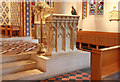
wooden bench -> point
(104, 48)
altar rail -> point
(61, 33)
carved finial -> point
(114, 7)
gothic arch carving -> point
(61, 35)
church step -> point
(24, 75)
(12, 58)
(18, 66)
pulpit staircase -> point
(19, 67)
(60, 39)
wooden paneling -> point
(109, 62)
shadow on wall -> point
(119, 34)
(99, 22)
(59, 7)
(119, 16)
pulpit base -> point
(62, 63)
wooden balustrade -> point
(9, 30)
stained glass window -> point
(100, 7)
(32, 15)
(92, 6)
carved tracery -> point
(61, 33)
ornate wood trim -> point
(24, 18)
(84, 1)
(30, 19)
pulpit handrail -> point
(110, 48)
(65, 15)
(99, 51)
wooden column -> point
(30, 19)
(88, 45)
(97, 47)
(10, 30)
(22, 20)
(80, 45)
(6, 32)
(25, 18)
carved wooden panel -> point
(9, 13)
(15, 13)
(4, 13)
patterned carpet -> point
(84, 74)
(77, 75)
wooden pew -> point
(96, 40)
(104, 48)
(104, 62)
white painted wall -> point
(59, 7)
(99, 22)
(93, 22)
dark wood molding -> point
(114, 20)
